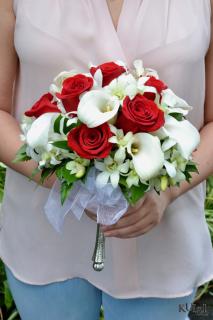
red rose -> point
(72, 88)
(140, 115)
(90, 143)
(43, 105)
(110, 71)
(157, 84)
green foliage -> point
(2, 180)
(207, 288)
(67, 179)
(21, 155)
(61, 144)
(134, 193)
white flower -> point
(77, 166)
(124, 85)
(39, 138)
(173, 103)
(183, 133)
(132, 178)
(111, 170)
(147, 155)
(170, 168)
(38, 134)
(122, 141)
(141, 71)
(96, 107)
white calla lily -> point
(37, 135)
(175, 103)
(97, 107)
(147, 156)
(184, 133)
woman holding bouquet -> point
(160, 251)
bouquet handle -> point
(99, 250)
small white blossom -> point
(122, 142)
(111, 170)
(133, 178)
(124, 85)
(77, 166)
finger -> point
(139, 233)
(136, 227)
(126, 221)
(91, 215)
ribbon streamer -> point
(108, 203)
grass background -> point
(7, 307)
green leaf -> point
(64, 174)
(69, 128)
(57, 124)
(188, 176)
(177, 116)
(61, 144)
(21, 155)
(191, 168)
(134, 193)
(65, 190)
(8, 300)
(46, 172)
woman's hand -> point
(91, 215)
(141, 218)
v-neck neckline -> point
(115, 28)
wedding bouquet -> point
(109, 135)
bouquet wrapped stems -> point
(99, 250)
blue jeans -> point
(77, 299)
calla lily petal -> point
(184, 133)
(170, 99)
(38, 134)
(168, 143)
(97, 107)
(147, 156)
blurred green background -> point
(7, 307)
